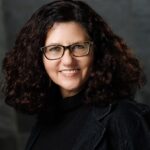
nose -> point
(67, 59)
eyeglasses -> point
(56, 51)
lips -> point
(69, 72)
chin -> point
(70, 89)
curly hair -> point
(116, 72)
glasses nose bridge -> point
(67, 47)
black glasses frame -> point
(69, 48)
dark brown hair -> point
(116, 72)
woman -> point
(68, 67)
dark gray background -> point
(128, 18)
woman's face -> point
(69, 72)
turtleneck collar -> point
(73, 102)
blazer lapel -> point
(93, 130)
(33, 137)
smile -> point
(70, 72)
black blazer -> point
(123, 125)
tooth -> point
(71, 71)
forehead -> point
(66, 33)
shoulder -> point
(127, 110)
(124, 109)
(125, 118)
(129, 106)
(129, 115)
(127, 124)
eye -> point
(78, 47)
(54, 49)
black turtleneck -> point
(62, 133)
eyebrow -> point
(53, 44)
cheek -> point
(87, 66)
(45, 64)
(90, 61)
